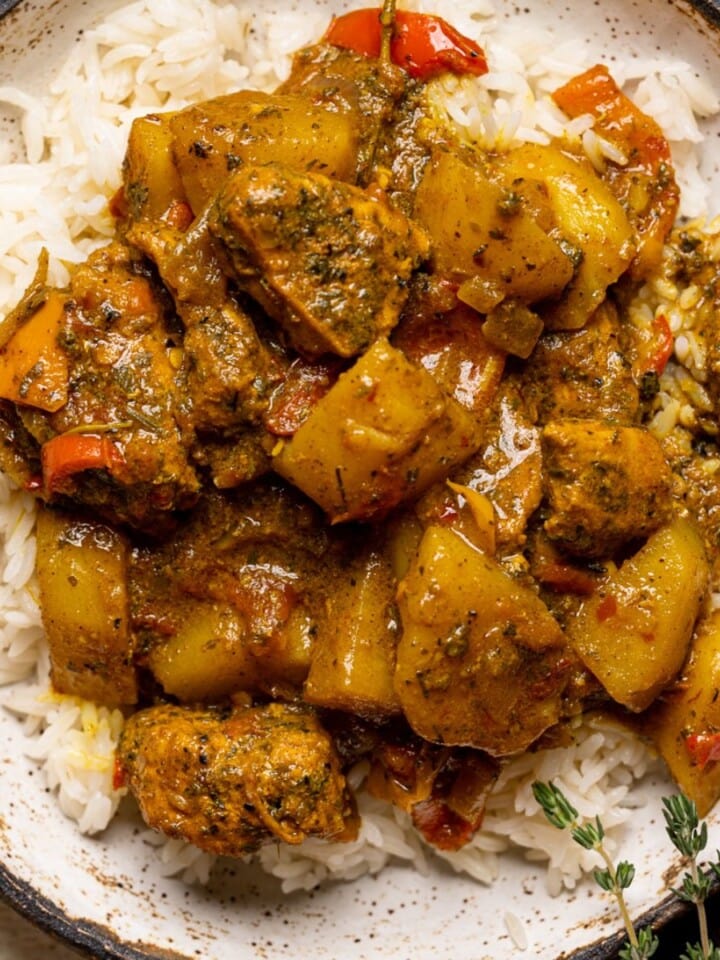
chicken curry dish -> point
(343, 449)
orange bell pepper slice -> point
(33, 365)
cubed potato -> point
(213, 138)
(354, 653)
(481, 661)
(589, 220)
(212, 653)
(208, 656)
(685, 723)
(485, 230)
(152, 182)
(382, 434)
(82, 575)
(633, 634)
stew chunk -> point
(230, 782)
(328, 261)
(383, 434)
(606, 485)
(481, 661)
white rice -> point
(54, 186)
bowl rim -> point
(99, 943)
(90, 938)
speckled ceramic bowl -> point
(105, 896)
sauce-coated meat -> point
(229, 782)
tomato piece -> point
(704, 748)
(71, 453)
(440, 826)
(117, 205)
(455, 352)
(664, 343)
(359, 31)
(179, 215)
(422, 44)
(120, 777)
(292, 403)
(607, 608)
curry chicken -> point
(343, 451)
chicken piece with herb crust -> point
(607, 485)
(583, 373)
(229, 782)
(328, 261)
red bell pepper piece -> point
(71, 453)
(440, 826)
(292, 403)
(664, 344)
(120, 777)
(422, 44)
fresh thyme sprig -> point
(688, 835)
(613, 879)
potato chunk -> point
(82, 573)
(685, 725)
(225, 605)
(589, 219)
(353, 657)
(606, 485)
(481, 661)
(382, 434)
(152, 183)
(634, 632)
(213, 138)
(486, 233)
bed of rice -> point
(54, 184)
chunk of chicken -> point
(584, 373)
(229, 782)
(120, 338)
(328, 261)
(228, 371)
(606, 485)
